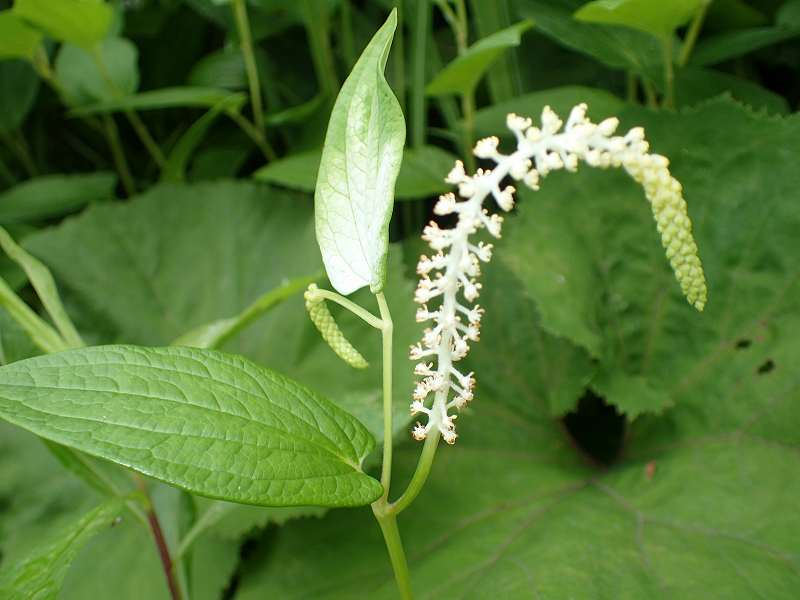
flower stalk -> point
(449, 276)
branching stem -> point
(354, 308)
(246, 44)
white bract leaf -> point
(360, 162)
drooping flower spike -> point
(448, 278)
(325, 323)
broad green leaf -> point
(464, 73)
(40, 575)
(731, 44)
(164, 98)
(19, 86)
(492, 119)
(421, 174)
(51, 196)
(81, 22)
(660, 19)
(694, 85)
(213, 335)
(84, 81)
(178, 159)
(170, 413)
(602, 282)
(701, 501)
(360, 162)
(615, 46)
(17, 40)
(42, 281)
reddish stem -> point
(163, 551)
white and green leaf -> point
(360, 163)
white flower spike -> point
(449, 276)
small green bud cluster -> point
(323, 320)
(665, 194)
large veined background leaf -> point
(701, 500)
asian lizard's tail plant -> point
(223, 427)
(353, 205)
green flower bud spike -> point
(323, 320)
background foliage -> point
(620, 445)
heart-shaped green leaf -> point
(214, 424)
(360, 162)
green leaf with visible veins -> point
(465, 72)
(587, 252)
(701, 502)
(360, 162)
(214, 424)
(40, 574)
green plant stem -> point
(419, 41)
(265, 303)
(420, 476)
(397, 556)
(462, 32)
(669, 74)
(386, 334)
(317, 23)
(354, 308)
(348, 41)
(246, 45)
(19, 147)
(136, 122)
(118, 154)
(691, 35)
(468, 114)
(631, 87)
(254, 134)
(6, 173)
(399, 58)
(649, 93)
(147, 140)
